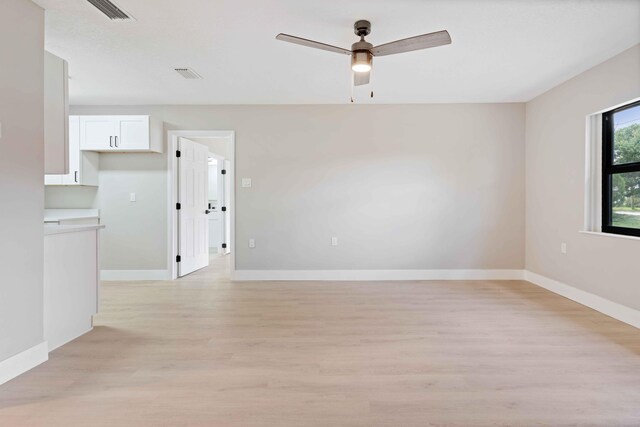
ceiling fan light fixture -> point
(362, 52)
(361, 61)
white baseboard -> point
(134, 275)
(612, 309)
(24, 361)
(339, 275)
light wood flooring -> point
(203, 351)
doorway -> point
(218, 203)
(201, 220)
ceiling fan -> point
(362, 52)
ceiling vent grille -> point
(112, 11)
(188, 73)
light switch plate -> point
(334, 241)
(132, 197)
(246, 182)
(563, 248)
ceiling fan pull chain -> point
(353, 84)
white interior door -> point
(193, 229)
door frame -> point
(172, 193)
(221, 160)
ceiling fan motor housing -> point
(362, 28)
(361, 56)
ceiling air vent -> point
(188, 73)
(112, 11)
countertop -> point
(50, 229)
(55, 215)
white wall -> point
(64, 197)
(402, 186)
(606, 266)
(135, 237)
(21, 175)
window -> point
(621, 170)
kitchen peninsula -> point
(71, 281)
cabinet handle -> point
(111, 141)
(76, 176)
(116, 139)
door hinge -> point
(223, 209)
(178, 153)
(178, 258)
(178, 206)
(224, 246)
(223, 171)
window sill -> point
(618, 236)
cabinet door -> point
(132, 132)
(97, 133)
(74, 177)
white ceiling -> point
(502, 51)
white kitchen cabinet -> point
(83, 166)
(97, 132)
(56, 113)
(120, 134)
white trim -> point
(593, 173)
(617, 311)
(134, 275)
(22, 362)
(259, 275)
(172, 191)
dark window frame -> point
(609, 169)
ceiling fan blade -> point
(424, 41)
(360, 79)
(311, 43)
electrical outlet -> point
(252, 243)
(132, 197)
(563, 248)
(334, 241)
(246, 183)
